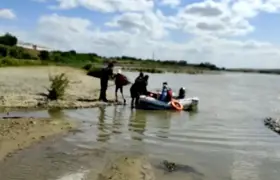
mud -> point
(17, 133)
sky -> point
(228, 33)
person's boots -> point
(116, 98)
(100, 97)
(105, 99)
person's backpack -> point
(122, 80)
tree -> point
(44, 55)
(3, 51)
(8, 40)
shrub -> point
(44, 55)
(59, 83)
(7, 61)
(55, 57)
(8, 40)
(3, 51)
(26, 55)
(13, 52)
(87, 67)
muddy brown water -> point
(224, 140)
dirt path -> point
(22, 87)
(19, 133)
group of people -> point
(106, 74)
(139, 87)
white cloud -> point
(67, 33)
(214, 18)
(108, 5)
(172, 3)
(149, 24)
(7, 14)
(141, 28)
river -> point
(224, 140)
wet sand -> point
(19, 133)
(25, 87)
(128, 167)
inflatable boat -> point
(150, 103)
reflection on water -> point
(104, 130)
(117, 119)
(56, 113)
(137, 124)
(163, 124)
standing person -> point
(140, 77)
(135, 89)
(143, 86)
(106, 74)
(120, 81)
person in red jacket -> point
(120, 81)
(169, 95)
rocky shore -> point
(273, 124)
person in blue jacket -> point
(166, 93)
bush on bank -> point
(8, 61)
(59, 84)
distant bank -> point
(261, 71)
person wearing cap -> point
(140, 77)
(106, 74)
(182, 93)
(120, 80)
(166, 93)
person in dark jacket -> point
(140, 77)
(135, 89)
(182, 93)
(143, 85)
(106, 74)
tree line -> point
(9, 48)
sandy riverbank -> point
(24, 87)
(19, 133)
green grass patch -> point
(7, 61)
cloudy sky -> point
(229, 33)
